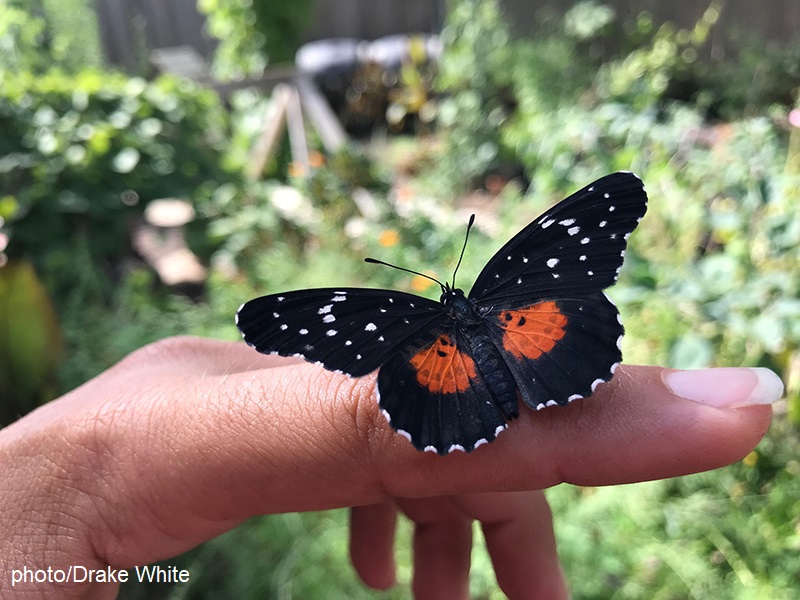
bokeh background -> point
(161, 162)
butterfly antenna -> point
(375, 261)
(463, 248)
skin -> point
(186, 438)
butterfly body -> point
(535, 326)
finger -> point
(634, 428)
(518, 528)
(442, 548)
(204, 357)
(372, 530)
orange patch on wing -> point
(533, 330)
(442, 368)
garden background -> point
(502, 124)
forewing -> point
(558, 350)
(432, 393)
(573, 249)
(352, 330)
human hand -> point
(187, 438)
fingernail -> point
(726, 387)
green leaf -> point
(30, 340)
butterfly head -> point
(450, 294)
(457, 306)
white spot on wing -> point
(303, 332)
(585, 241)
(331, 332)
(582, 257)
(338, 298)
(551, 403)
(566, 222)
(328, 319)
(455, 447)
(603, 223)
(552, 262)
(325, 309)
(597, 382)
(431, 449)
(370, 327)
(284, 327)
(547, 223)
(574, 230)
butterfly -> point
(536, 326)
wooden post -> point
(271, 134)
(297, 130)
(319, 111)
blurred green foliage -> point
(39, 35)
(476, 81)
(31, 344)
(82, 155)
(254, 34)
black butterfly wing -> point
(573, 249)
(350, 330)
(542, 294)
(558, 350)
(432, 392)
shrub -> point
(254, 34)
(82, 155)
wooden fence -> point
(130, 29)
